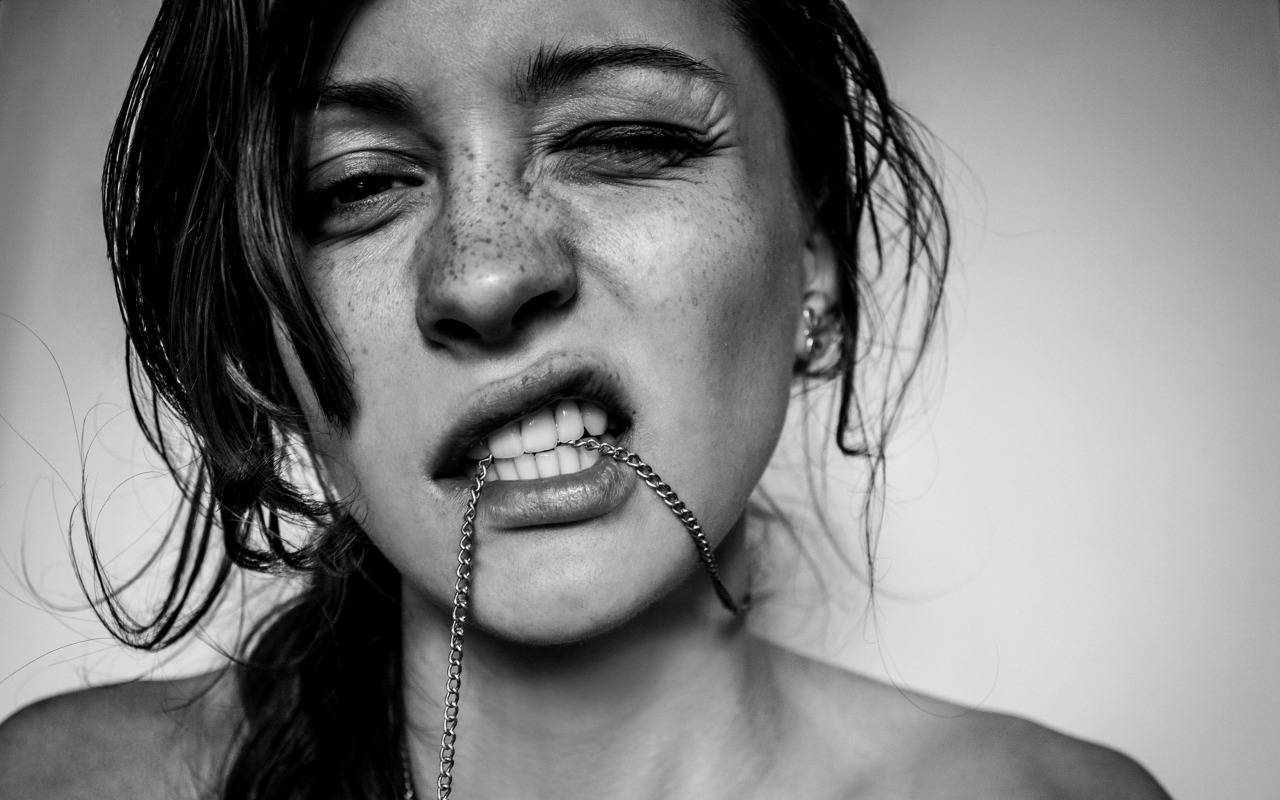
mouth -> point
(525, 422)
(535, 446)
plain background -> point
(1082, 520)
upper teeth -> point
(527, 448)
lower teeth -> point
(563, 460)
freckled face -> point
(496, 185)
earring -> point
(813, 345)
(811, 333)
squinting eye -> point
(633, 149)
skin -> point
(492, 236)
(497, 246)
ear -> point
(821, 270)
(821, 283)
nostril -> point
(489, 298)
(541, 306)
(452, 330)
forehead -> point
(451, 44)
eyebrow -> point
(377, 96)
(554, 69)
(549, 71)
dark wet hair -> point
(198, 194)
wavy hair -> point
(199, 212)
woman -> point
(385, 263)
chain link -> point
(462, 593)
(461, 600)
(668, 496)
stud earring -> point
(814, 343)
(811, 333)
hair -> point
(198, 198)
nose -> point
(497, 264)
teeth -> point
(594, 419)
(538, 432)
(506, 442)
(567, 459)
(526, 466)
(568, 421)
(548, 464)
(506, 469)
(532, 447)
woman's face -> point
(513, 203)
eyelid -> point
(621, 130)
(338, 168)
(324, 215)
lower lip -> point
(593, 492)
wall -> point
(1082, 523)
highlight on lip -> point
(533, 447)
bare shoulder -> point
(1025, 759)
(137, 740)
(895, 743)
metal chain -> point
(462, 592)
(453, 684)
(668, 496)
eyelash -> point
(359, 190)
(634, 149)
(604, 150)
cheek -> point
(712, 287)
(360, 299)
(718, 282)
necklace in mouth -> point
(537, 445)
(462, 586)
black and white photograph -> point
(633, 399)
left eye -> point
(632, 149)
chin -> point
(561, 595)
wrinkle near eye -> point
(642, 94)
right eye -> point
(358, 188)
(355, 195)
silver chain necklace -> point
(462, 594)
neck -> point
(666, 701)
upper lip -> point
(559, 377)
